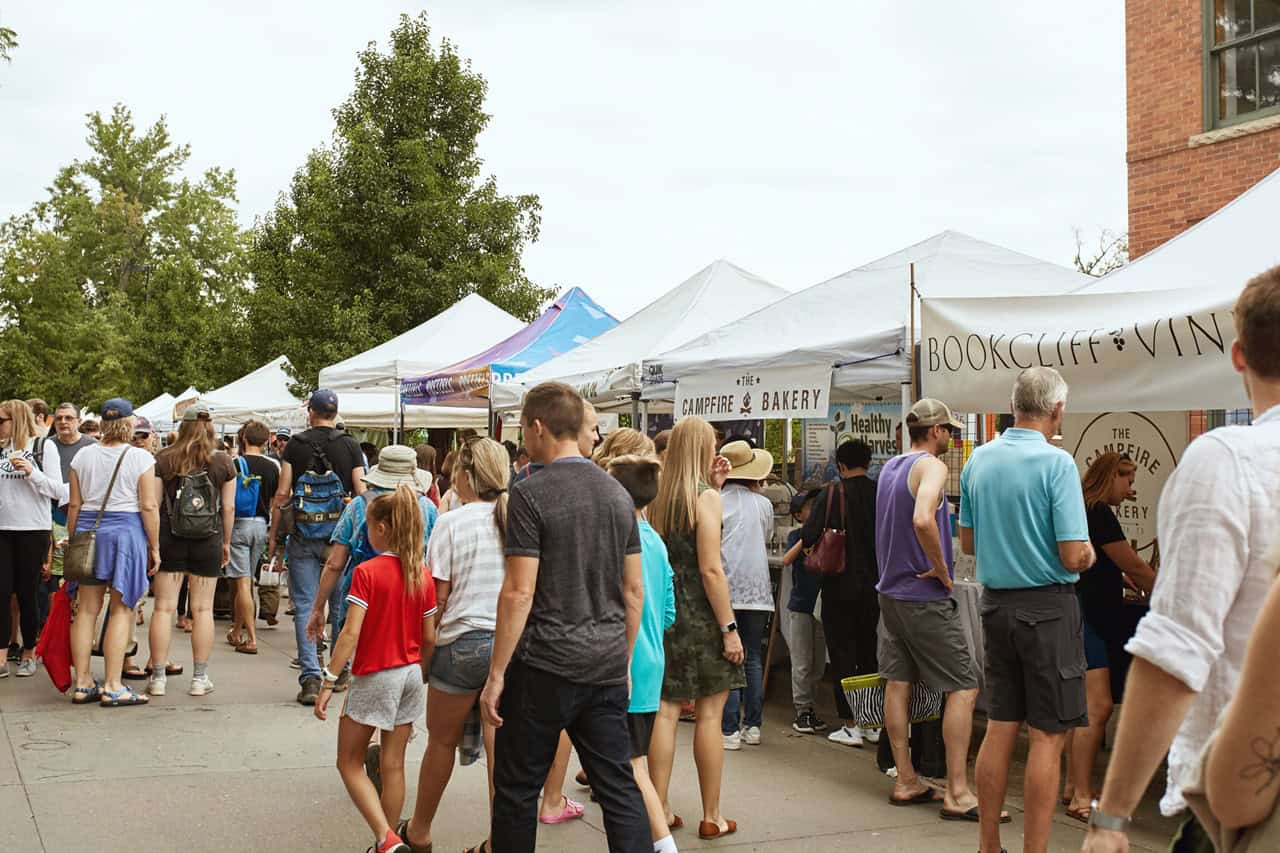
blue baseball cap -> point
(116, 408)
(324, 401)
(283, 432)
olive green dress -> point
(694, 645)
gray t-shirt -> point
(67, 452)
(580, 524)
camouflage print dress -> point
(694, 645)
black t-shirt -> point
(269, 471)
(1101, 589)
(341, 449)
(862, 572)
(580, 523)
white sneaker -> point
(200, 686)
(155, 685)
(869, 735)
(846, 736)
(733, 741)
(751, 736)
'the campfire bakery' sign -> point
(799, 392)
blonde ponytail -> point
(488, 466)
(399, 510)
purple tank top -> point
(898, 551)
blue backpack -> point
(248, 490)
(318, 497)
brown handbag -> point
(828, 555)
(82, 547)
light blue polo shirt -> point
(1022, 496)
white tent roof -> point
(254, 394)
(858, 321)
(1161, 326)
(609, 365)
(470, 325)
(159, 411)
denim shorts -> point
(463, 665)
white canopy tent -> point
(264, 395)
(858, 323)
(1154, 335)
(159, 411)
(607, 369)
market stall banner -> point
(1159, 351)
(874, 423)
(731, 395)
(1155, 441)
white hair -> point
(1037, 392)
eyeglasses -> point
(65, 418)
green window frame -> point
(1213, 51)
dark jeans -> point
(22, 553)
(850, 629)
(749, 699)
(536, 706)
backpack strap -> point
(243, 465)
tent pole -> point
(635, 412)
(911, 338)
(786, 451)
(644, 417)
(906, 407)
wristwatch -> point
(1111, 823)
(729, 629)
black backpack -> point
(195, 512)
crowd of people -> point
(584, 594)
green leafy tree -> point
(8, 41)
(391, 222)
(128, 279)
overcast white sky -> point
(797, 139)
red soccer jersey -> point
(391, 634)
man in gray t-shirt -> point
(568, 616)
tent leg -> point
(644, 417)
(907, 402)
(635, 413)
(786, 451)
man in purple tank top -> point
(920, 635)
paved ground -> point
(247, 768)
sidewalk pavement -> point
(248, 768)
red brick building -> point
(1203, 98)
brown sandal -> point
(247, 648)
(403, 831)
(708, 830)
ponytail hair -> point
(399, 510)
(487, 466)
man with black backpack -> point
(321, 468)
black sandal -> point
(169, 669)
(403, 831)
(483, 848)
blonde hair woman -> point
(703, 650)
(465, 558)
(1108, 622)
(194, 453)
(30, 478)
(622, 442)
(113, 486)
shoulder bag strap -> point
(111, 485)
(837, 486)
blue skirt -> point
(120, 556)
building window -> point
(1242, 60)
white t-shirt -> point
(25, 502)
(465, 550)
(744, 550)
(94, 465)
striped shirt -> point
(466, 552)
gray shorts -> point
(924, 642)
(248, 544)
(1035, 657)
(386, 699)
(462, 666)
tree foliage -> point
(1110, 253)
(391, 222)
(128, 279)
(8, 41)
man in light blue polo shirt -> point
(1022, 514)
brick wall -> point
(1178, 174)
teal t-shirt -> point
(648, 661)
(350, 528)
(1021, 496)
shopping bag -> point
(54, 646)
(865, 694)
(269, 576)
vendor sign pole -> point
(911, 338)
(786, 451)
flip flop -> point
(169, 669)
(677, 822)
(134, 673)
(247, 649)
(1081, 815)
(234, 639)
(123, 698)
(972, 815)
(572, 811)
(86, 695)
(708, 830)
(403, 831)
(928, 795)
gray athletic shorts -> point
(386, 699)
(924, 641)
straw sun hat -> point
(747, 463)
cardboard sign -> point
(1154, 441)
(800, 392)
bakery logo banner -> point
(1154, 441)
(790, 392)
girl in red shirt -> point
(386, 692)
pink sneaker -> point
(572, 811)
